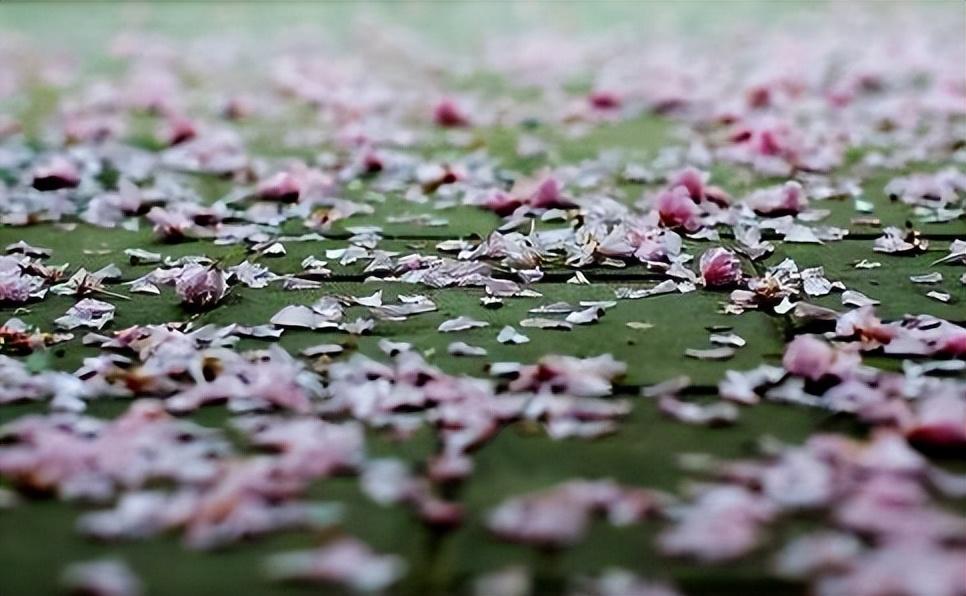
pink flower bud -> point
(449, 114)
(720, 267)
(678, 210)
(604, 100)
(692, 179)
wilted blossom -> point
(16, 287)
(896, 240)
(720, 267)
(110, 209)
(200, 286)
(87, 313)
(649, 244)
(19, 339)
(808, 357)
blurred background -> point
(83, 25)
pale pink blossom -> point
(720, 267)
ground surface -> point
(38, 536)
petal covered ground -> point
(677, 310)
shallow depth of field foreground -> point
(496, 298)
